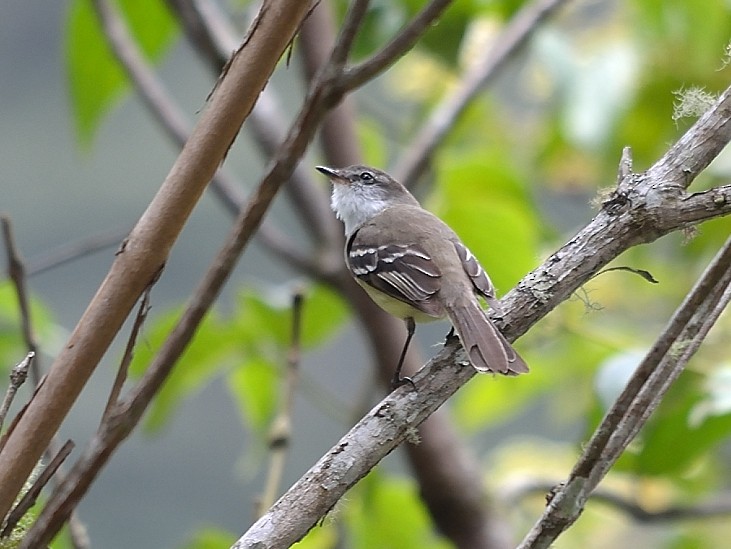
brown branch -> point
(122, 371)
(357, 75)
(149, 243)
(620, 225)
(163, 108)
(207, 28)
(442, 119)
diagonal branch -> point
(618, 226)
(147, 248)
(209, 30)
(643, 393)
(357, 75)
(170, 117)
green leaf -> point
(96, 80)
(323, 313)
(210, 538)
(388, 513)
(254, 389)
(269, 317)
(483, 199)
(12, 346)
(690, 421)
(211, 350)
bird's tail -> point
(486, 347)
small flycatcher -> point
(415, 267)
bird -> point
(415, 267)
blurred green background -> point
(516, 177)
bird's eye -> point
(367, 177)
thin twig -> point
(403, 41)
(281, 429)
(18, 375)
(348, 32)
(720, 506)
(31, 496)
(74, 249)
(517, 32)
(16, 272)
(123, 369)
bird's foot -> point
(397, 381)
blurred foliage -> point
(249, 349)
(515, 178)
(96, 80)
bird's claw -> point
(398, 381)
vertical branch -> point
(281, 429)
(16, 272)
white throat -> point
(355, 205)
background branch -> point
(415, 159)
(720, 506)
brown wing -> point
(478, 276)
(404, 272)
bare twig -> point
(129, 349)
(281, 428)
(402, 42)
(70, 251)
(643, 393)
(720, 506)
(520, 28)
(18, 375)
(16, 272)
(30, 497)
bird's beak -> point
(332, 173)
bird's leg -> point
(397, 380)
(450, 335)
